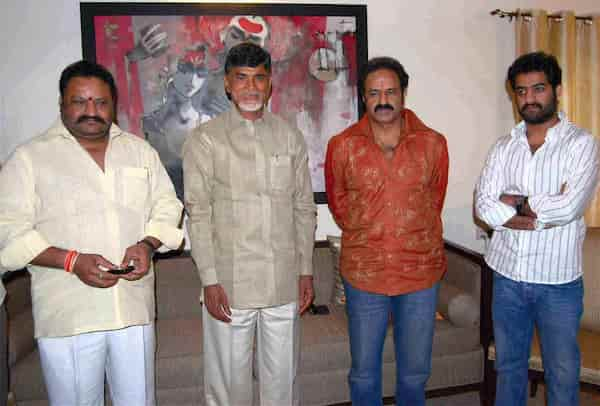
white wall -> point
(455, 52)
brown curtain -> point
(576, 45)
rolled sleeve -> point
(579, 188)
(166, 211)
(20, 251)
(20, 242)
(490, 187)
(170, 236)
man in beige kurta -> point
(251, 222)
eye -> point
(372, 93)
(521, 91)
(101, 103)
(539, 88)
(78, 102)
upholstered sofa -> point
(457, 351)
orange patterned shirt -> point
(389, 210)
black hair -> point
(247, 54)
(87, 69)
(536, 62)
(384, 62)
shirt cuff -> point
(502, 215)
(209, 277)
(170, 236)
(22, 250)
(306, 269)
(534, 204)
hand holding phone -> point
(121, 271)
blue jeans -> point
(556, 311)
(368, 317)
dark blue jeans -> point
(368, 317)
(556, 311)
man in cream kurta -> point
(251, 222)
(87, 197)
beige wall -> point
(455, 52)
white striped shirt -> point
(569, 156)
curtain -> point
(576, 45)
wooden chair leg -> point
(533, 385)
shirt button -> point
(389, 204)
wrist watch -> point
(538, 225)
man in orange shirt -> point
(386, 179)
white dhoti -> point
(74, 367)
(228, 355)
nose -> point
(90, 107)
(529, 96)
(383, 98)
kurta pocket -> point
(281, 173)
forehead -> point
(87, 86)
(250, 71)
(382, 78)
(530, 79)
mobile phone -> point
(121, 271)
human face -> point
(87, 108)
(249, 89)
(383, 97)
(536, 100)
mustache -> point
(539, 106)
(94, 118)
(383, 107)
(252, 94)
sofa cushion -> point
(178, 288)
(20, 337)
(179, 357)
(325, 345)
(27, 379)
(458, 306)
(322, 275)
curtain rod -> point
(514, 14)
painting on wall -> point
(167, 60)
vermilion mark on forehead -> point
(249, 26)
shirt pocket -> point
(134, 187)
(281, 173)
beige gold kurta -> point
(52, 193)
(250, 203)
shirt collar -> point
(520, 130)
(237, 121)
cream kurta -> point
(52, 193)
(250, 203)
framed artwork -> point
(167, 60)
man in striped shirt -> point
(533, 191)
